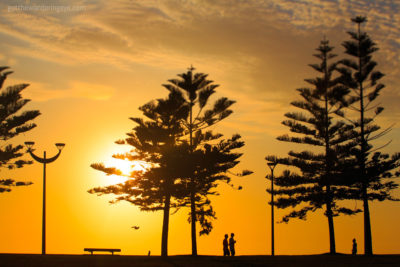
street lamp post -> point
(272, 165)
(45, 161)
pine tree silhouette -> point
(319, 185)
(197, 90)
(363, 81)
(155, 142)
(161, 141)
(13, 122)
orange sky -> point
(91, 69)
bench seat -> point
(112, 250)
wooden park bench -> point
(112, 250)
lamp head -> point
(60, 146)
(272, 161)
(29, 144)
(272, 164)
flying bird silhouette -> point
(135, 227)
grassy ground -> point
(9, 260)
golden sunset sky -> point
(91, 66)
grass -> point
(33, 260)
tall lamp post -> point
(272, 165)
(45, 161)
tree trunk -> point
(193, 215)
(367, 222)
(367, 225)
(192, 189)
(164, 239)
(329, 214)
(328, 164)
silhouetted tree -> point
(154, 141)
(12, 123)
(319, 183)
(363, 80)
(197, 90)
(174, 160)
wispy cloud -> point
(151, 31)
(254, 47)
(76, 89)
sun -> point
(125, 166)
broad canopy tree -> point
(13, 121)
(181, 169)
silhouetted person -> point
(354, 250)
(225, 245)
(232, 244)
(148, 254)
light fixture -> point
(29, 144)
(44, 161)
(272, 164)
(60, 146)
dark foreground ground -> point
(203, 261)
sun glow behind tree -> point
(126, 166)
(123, 167)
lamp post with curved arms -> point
(45, 161)
(272, 165)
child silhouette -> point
(354, 250)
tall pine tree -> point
(197, 90)
(318, 185)
(360, 76)
(13, 121)
(154, 141)
(161, 142)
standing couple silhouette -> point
(229, 247)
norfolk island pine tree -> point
(197, 90)
(320, 182)
(363, 80)
(14, 121)
(211, 161)
(155, 142)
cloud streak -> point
(76, 89)
(157, 32)
(256, 48)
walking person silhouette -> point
(354, 250)
(232, 244)
(225, 245)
